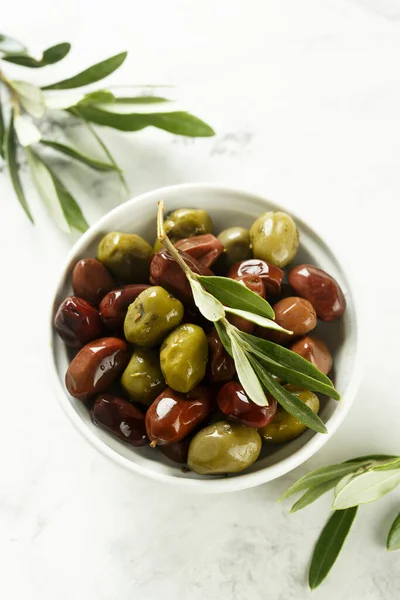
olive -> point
(294, 314)
(177, 452)
(126, 255)
(172, 416)
(275, 238)
(270, 275)
(315, 351)
(285, 427)
(206, 249)
(233, 401)
(319, 288)
(165, 271)
(91, 280)
(142, 378)
(183, 357)
(151, 316)
(186, 222)
(223, 447)
(221, 367)
(255, 284)
(236, 243)
(114, 306)
(96, 366)
(120, 418)
(77, 322)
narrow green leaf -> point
(370, 457)
(287, 400)
(223, 336)
(2, 131)
(387, 465)
(50, 57)
(10, 45)
(247, 375)
(72, 153)
(236, 295)
(313, 494)
(366, 487)
(141, 100)
(103, 96)
(91, 75)
(287, 358)
(209, 306)
(11, 160)
(290, 375)
(319, 476)
(329, 545)
(30, 97)
(26, 130)
(261, 321)
(393, 541)
(179, 123)
(71, 208)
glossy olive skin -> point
(173, 416)
(319, 288)
(183, 357)
(153, 314)
(270, 275)
(91, 280)
(284, 427)
(236, 243)
(187, 222)
(177, 452)
(114, 306)
(165, 271)
(221, 367)
(315, 351)
(120, 418)
(77, 322)
(96, 366)
(274, 238)
(142, 378)
(233, 401)
(126, 255)
(294, 314)
(223, 447)
(206, 249)
(255, 284)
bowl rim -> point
(245, 480)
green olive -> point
(275, 238)
(236, 241)
(183, 357)
(284, 427)
(186, 222)
(153, 314)
(127, 256)
(142, 378)
(223, 447)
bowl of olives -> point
(148, 376)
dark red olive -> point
(177, 452)
(204, 248)
(294, 314)
(319, 288)
(120, 418)
(77, 322)
(221, 367)
(166, 272)
(255, 284)
(271, 276)
(173, 415)
(96, 367)
(315, 351)
(91, 280)
(233, 401)
(114, 306)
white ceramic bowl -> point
(227, 207)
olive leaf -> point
(254, 318)
(103, 96)
(393, 540)
(72, 153)
(11, 159)
(9, 45)
(366, 487)
(298, 409)
(50, 57)
(329, 545)
(30, 97)
(91, 75)
(141, 100)
(312, 494)
(26, 130)
(2, 131)
(246, 374)
(236, 295)
(209, 306)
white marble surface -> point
(305, 97)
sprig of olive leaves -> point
(24, 106)
(355, 482)
(258, 362)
